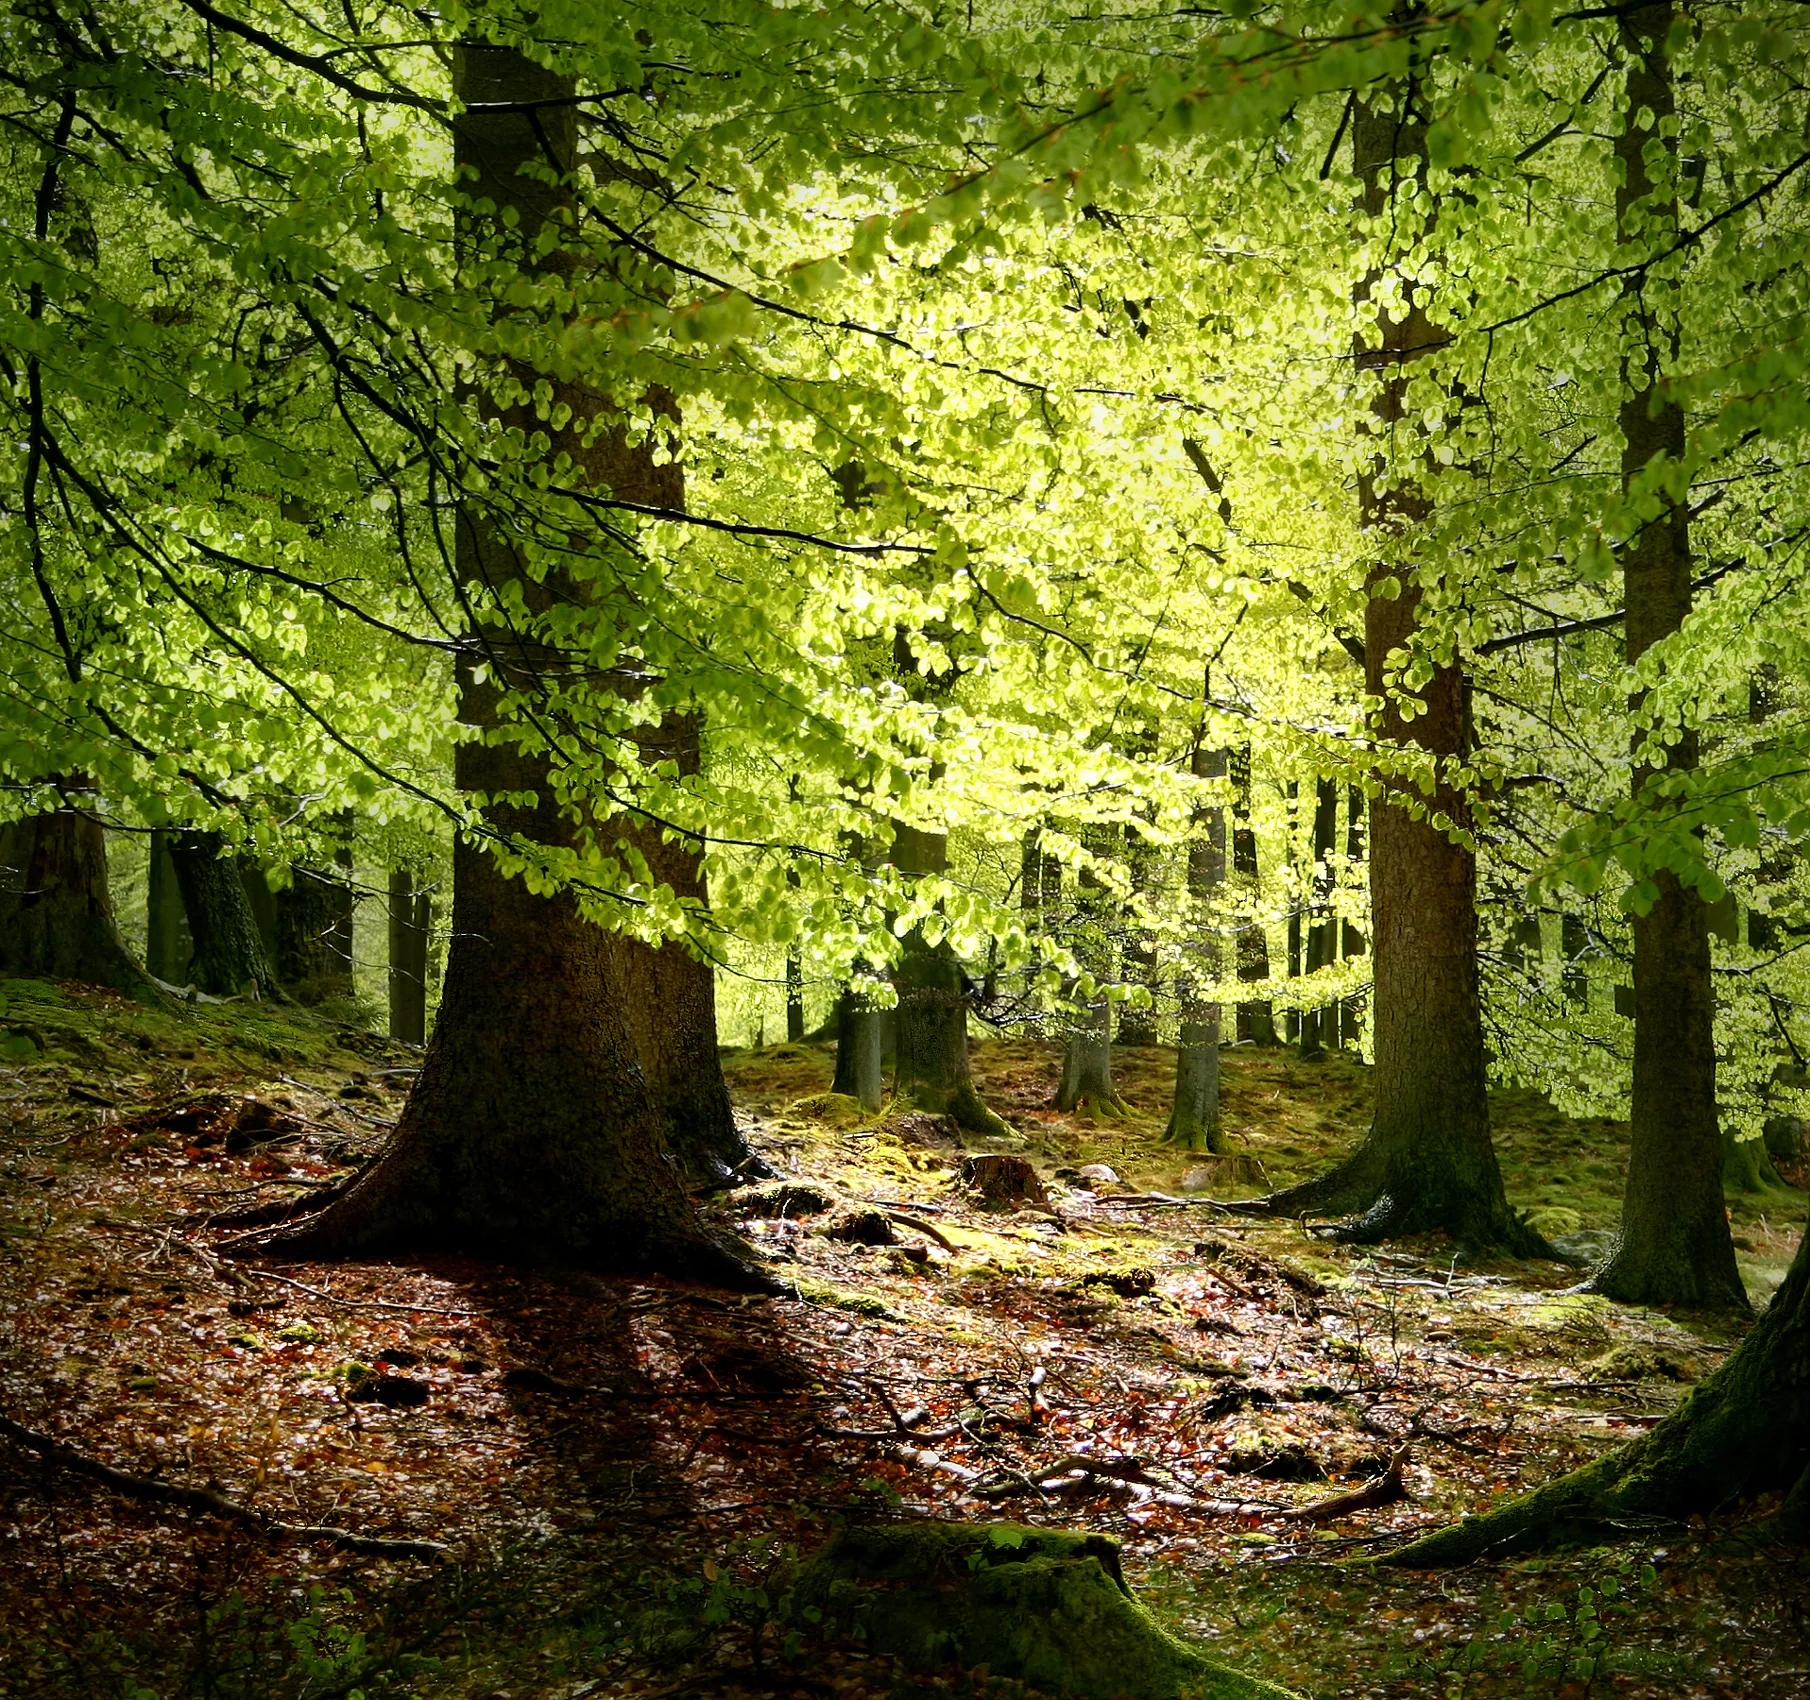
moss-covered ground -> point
(617, 1467)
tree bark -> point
(1427, 1162)
(58, 923)
(1675, 1246)
(860, 1043)
(1321, 929)
(1351, 938)
(229, 958)
(168, 946)
(1742, 1432)
(411, 926)
(314, 932)
(1137, 1023)
(1291, 1018)
(931, 1068)
(1194, 1114)
(531, 1133)
(1256, 1023)
(1087, 1065)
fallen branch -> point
(924, 1228)
(207, 1501)
(1385, 1489)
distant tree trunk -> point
(1194, 1114)
(794, 999)
(168, 946)
(1742, 1432)
(1427, 1162)
(1574, 942)
(411, 926)
(58, 923)
(531, 1132)
(262, 902)
(1137, 1023)
(1291, 1018)
(1351, 938)
(313, 957)
(860, 1040)
(1675, 1246)
(229, 958)
(1256, 1024)
(1320, 934)
(931, 1069)
(1087, 1065)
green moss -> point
(839, 1298)
(1045, 1607)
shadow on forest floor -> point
(615, 1465)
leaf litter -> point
(615, 1467)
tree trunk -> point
(1427, 1162)
(1742, 1432)
(1137, 1023)
(1351, 938)
(229, 957)
(1320, 940)
(1675, 1246)
(314, 933)
(411, 926)
(1194, 1114)
(1087, 1065)
(931, 1069)
(168, 946)
(58, 923)
(860, 1040)
(1291, 1018)
(531, 1133)
(1256, 1023)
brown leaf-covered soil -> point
(616, 1469)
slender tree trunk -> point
(229, 957)
(168, 946)
(1137, 1024)
(1351, 938)
(1194, 1115)
(1256, 1023)
(1087, 1065)
(931, 1069)
(1674, 1246)
(1742, 1432)
(1427, 1162)
(1316, 1022)
(58, 922)
(531, 1133)
(411, 926)
(1291, 1018)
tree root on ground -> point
(208, 1501)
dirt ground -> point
(618, 1470)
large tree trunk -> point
(1674, 1246)
(1087, 1065)
(1137, 1022)
(314, 932)
(531, 1133)
(229, 958)
(1316, 1022)
(1427, 1162)
(58, 920)
(411, 926)
(168, 946)
(931, 1068)
(1742, 1432)
(860, 1050)
(1256, 1023)
(1351, 938)
(1194, 1114)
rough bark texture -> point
(1674, 1246)
(1087, 1065)
(1255, 1021)
(1427, 1162)
(58, 920)
(931, 1068)
(411, 926)
(1743, 1431)
(1194, 1114)
(229, 959)
(314, 933)
(168, 946)
(530, 1134)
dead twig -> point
(1385, 1489)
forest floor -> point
(616, 1468)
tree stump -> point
(1003, 1182)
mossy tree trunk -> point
(531, 1133)
(931, 1021)
(1674, 1246)
(1087, 1064)
(168, 946)
(1427, 1162)
(1743, 1431)
(228, 959)
(1137, 1022)
(1194, 1114)
(58, 921)
(1256, 1023)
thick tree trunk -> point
(1742, 1432)
(411, 926)
(58, 921)
(1194, 1114)
(531, 1133)
(314, 933)
(1087, 1065)
(1675, 1246)
(229, 958)
(1427, 1162)
(1256, 1023)
(860, 1045)
(168, 946)
(931, 1068)
(1320, 933)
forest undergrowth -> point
(1246, 1406)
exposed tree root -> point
(206, 1500)
(1743, 1431)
